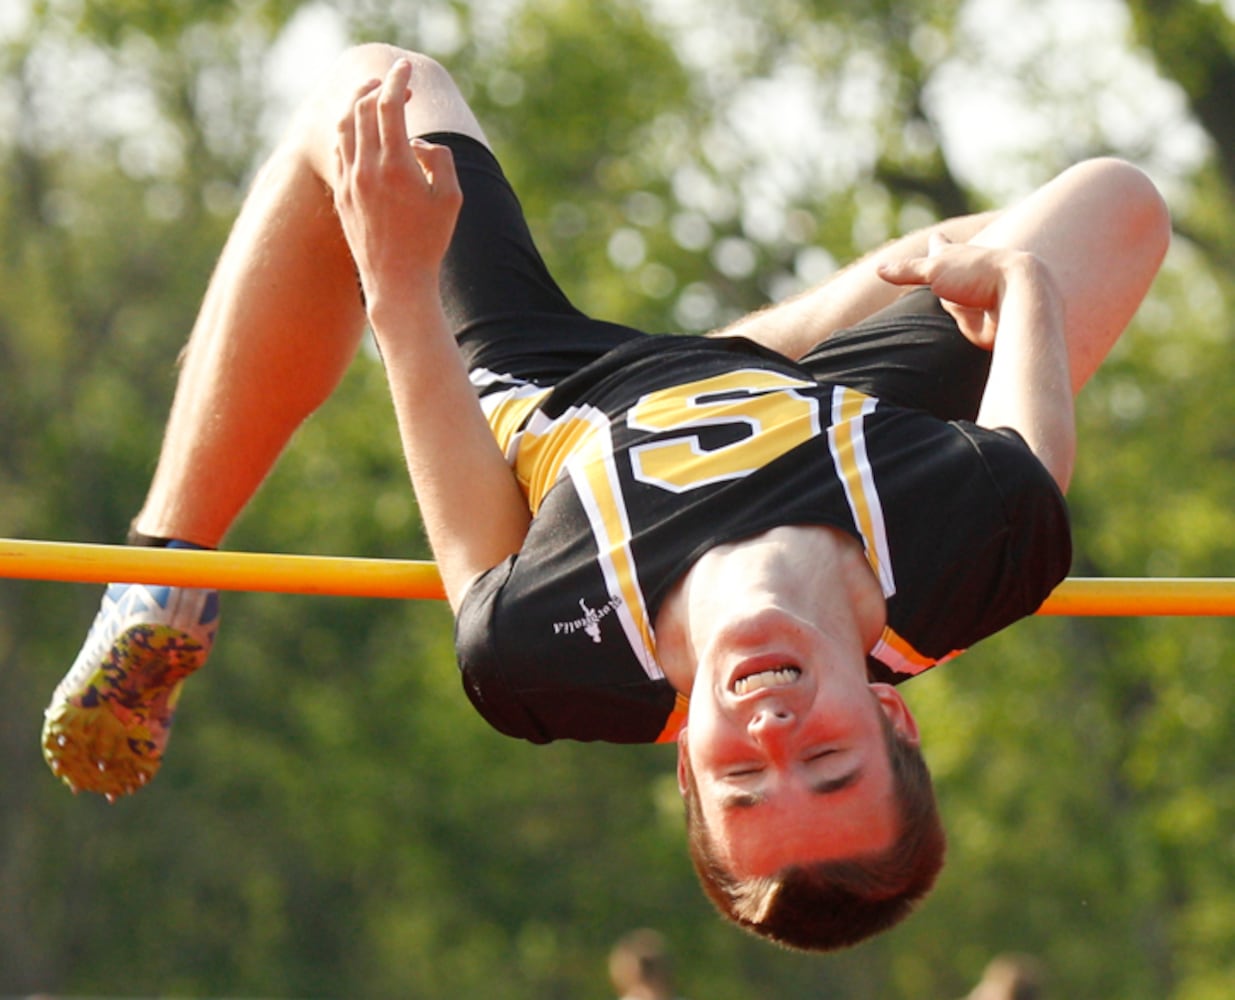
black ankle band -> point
(135, 537)
(152, 542)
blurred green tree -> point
(332, 818)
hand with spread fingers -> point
(397, 199)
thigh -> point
(508, 313)
(909, 354)
(1102, 229)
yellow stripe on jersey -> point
(547, 445)
(579, 442)
(536, 446)
(897, 653)
(594, 475)
(676, 720)
(507, 412)
(848, 444)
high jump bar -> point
(72, 562)
(347, 576)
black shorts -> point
(510, 316)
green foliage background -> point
(332, 819)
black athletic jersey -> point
(668, 446)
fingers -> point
(910, 271)
(347, 124)
(437, 163)
(391, 98)
(947, 266)
(373, 130)
(940, 253)
(346, 144)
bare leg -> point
(1101, 227)
(280, 323)
(282, 316)
(798, 324)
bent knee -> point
(437, 104)
(367, 61)
(1138, 213)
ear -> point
(683, 750)
(893, 706)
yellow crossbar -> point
(71, 562)
(1142, 596)
(341, 576)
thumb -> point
(937, 243)
(437, 163)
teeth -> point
(776, 677)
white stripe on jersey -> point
(847, 442)
(593, 472)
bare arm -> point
(1007, 301)
(851, 295)
(397, 202)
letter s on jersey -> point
(776, 417)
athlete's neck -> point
(817, 574)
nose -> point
(769, 725)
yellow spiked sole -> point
(106, 732)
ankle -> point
(143, 540)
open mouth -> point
(773, 677)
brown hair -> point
(833, 904)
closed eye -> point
(747, 771)
(823, 787)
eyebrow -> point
(828, 786)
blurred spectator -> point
(1011, 977)
(640, 968)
